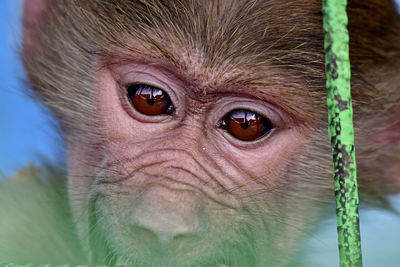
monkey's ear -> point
(390, 137)
(33, 13)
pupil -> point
(150, 101)
(244, 125)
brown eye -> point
(150, 100)
(246, 125)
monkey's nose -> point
(166, 217)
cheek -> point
(80, 181)
(87, 151)
(269, 163)
(117, 124)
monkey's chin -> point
(102, 254)
(107, 250)
(121, 261)
(113, 259)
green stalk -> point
(341, 130)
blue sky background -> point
(25, 132)
(26, 136)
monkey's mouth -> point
(103, 252)
(115, 260)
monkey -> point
(195, 131)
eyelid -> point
(135, 73)
(268, 111)
(155, 79)
(142, 78)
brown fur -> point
(286, 35)
(251, 44)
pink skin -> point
(33, 11)
(185, 152)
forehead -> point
(214, 38)
(274, 47)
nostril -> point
(185, 237)
(144, 234)
(182, 240)
(154, 237)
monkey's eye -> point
(150, 100)
(246, 125)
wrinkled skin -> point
(178, 189)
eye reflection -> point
(246, 125)
(150, 100)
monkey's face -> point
(196, 130)
(193, 168)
